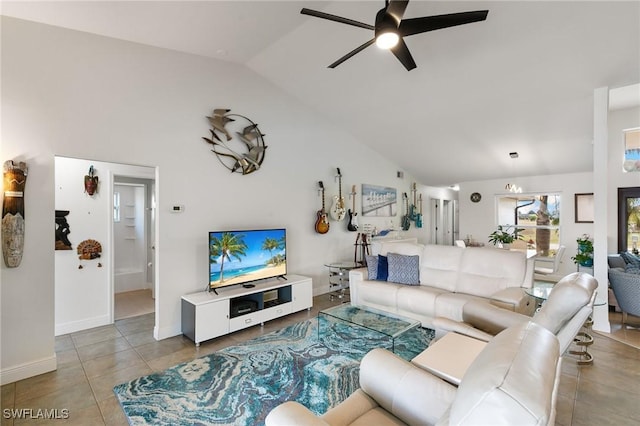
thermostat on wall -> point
(178, 208)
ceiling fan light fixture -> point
(387, 40)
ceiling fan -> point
(390, 28)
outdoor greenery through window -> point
(537, 217)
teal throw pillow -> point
(404, 269)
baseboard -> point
(160, 333)
(26, 370)
(73, 326)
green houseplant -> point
(584, 256)
(505, 235)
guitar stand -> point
(362, 242)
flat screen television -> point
(241, 257)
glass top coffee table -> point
(384, 323)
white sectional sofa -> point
(448, 278)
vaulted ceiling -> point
(522, 80)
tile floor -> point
(133, 304)
(91, 362)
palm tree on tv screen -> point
(271, 244)
(227, 246)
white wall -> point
(72, 94)
(618, 120)
(479, 219)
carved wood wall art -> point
(237, 141)
(62, 230)
(13, 218)
(89, 250)
(91, 182)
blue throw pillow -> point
(631, 259)
(632, 269)
(383, 268)
(404, 269)
(372, 266)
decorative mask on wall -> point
(62, 230)
(237, 141)
(13, 219)
(91, 182)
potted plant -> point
(503, 236)
(584, 257)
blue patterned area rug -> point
(241, 384)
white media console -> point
(206, 315)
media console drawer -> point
(244, 321)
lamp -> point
(387, 40)
(512, 187)
(386, 30)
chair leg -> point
(624, 318)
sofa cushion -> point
(485, 271)
(403, 269)
(439, 266)
(417, 300)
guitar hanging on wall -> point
(419, 215)
(353, 219)
(406, 220)
(338, 212)
(322, 222)
(413, 213)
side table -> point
(339, 277)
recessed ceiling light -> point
(513, 154)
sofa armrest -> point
(445, 325)
(410, 393)
(514, 299)
(293, 413)
(490, 318)
(356, 277)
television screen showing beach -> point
(238, 257)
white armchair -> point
(396, 392)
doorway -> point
(629, 219)
(133, 247)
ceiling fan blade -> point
(429, 23)
(352, 53)
(335, 18)
(402, 53)
(396, 9)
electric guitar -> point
(406, 221)
(353, 220)
(338, 212)
(322, 222)
(419, 215)
(412, 210)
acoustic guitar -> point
(338, 212)
(322, 222)
(353, 219)
(406, 220)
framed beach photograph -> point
(584, 208)
(379, 201)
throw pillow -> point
(372, 266)
(383, 268)
(631, 259)
(632, 269)
(404, 269)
